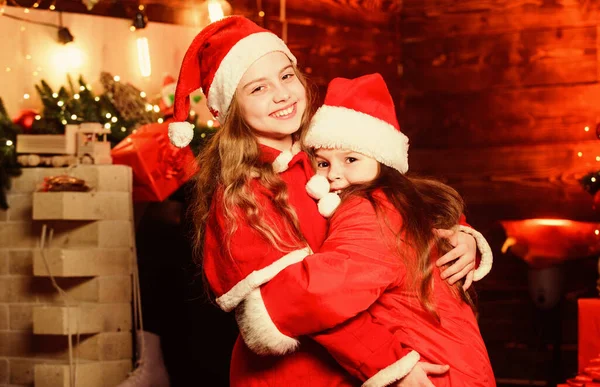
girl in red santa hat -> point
(253, 214)
(383, 230)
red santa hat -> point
(216, 61)
(359, 114)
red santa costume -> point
(216, 61)
(358, 268)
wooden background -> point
(494, 96)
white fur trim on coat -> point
(394, 372)
(318, 186)
(487, 258)
(239, 58)
(254, 280)
(282, 162)
(258, 330)
(338, 127)
(181, 133)
(328, 204)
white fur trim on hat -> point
(254, 280)
(318, 186)
(487, 257)
(181, 133)
(258, 329)
(394, 372)
(338, 127)
(239, 58)
(328, 204)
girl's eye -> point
(350, 160)
(257, 89)
(288, 76)
(322, 164)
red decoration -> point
(569, 240)
(159, 168)
(25, 119)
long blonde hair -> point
(228, 163)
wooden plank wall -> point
(506, 89)
(495, 96)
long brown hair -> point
(228, 163)
(423, 204)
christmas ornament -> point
(167, 95)
(25, 119)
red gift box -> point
(589, 331)
(159, 168)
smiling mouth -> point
(285, 113)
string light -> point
(8, 69)
(142, 94)
(117, 78)
(97, 99)
(52, 7)
(38, 117)
(26, 10)
(60, 103)
(76, 96)
(580, 154)
(156, 108)
(261, 14)
(114, 119)
(597, 232)
(26, 96)
(160, 120)
(64, 122)
(210, 123)
(9, 142)
(123, 129)
(107, 126)
(593, 179)
(73, 116)
(587, 128)
(54, 95)
(108, 115)
(36, 4)
(81, 88)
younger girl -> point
(253, 214)
(382, 230)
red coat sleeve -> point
(330, 292)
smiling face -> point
(272, 99)
(345, 167)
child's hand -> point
(463, 253)
(417, 377)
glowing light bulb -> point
(210, 123)
(74, 116)
(142, 94)
(26, 10)
(114, 119)
(587, 128)
(107, 126)
(108, 115)
(97, 99)
(156, 108)
(38, 117)
(60, 103)
(597, 232)
(580, 154)
(64, 122)
(9, 142)
(54, 95)
(81, 88)
(76, 96)
(52, 7)
(123, 129)
(26, 96)
(143, 50)
(160, 120)
(117, 78)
